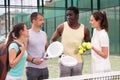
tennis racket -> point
(54, 50)
(68, 60)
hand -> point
(38, 61)
(22, 49)
(45, 58)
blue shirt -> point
(17, 71)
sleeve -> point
(13, 46)
(104, 40)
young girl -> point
(19, 34)
(100, 43)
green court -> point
(54, 69)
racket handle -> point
(62, 55)
(45, 55)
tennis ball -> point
(84, 49)
(81, 51)
(89, 45)
(84, 44)
(80, 47)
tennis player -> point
(100, 43)
(72, 34)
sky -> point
(18, 2)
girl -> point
(100, 43)
(19, 34)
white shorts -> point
(8, 77)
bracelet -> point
(32, 60)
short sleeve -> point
(104, 39)
(13, 46)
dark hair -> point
(101, 16)
(15, 33)
(34, 16)
(74, 9)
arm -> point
(46, 46)
(13, 60)
(57, 33)
(104, 42)
(29, 58)
(103, 53)
(87, 35)
(36, 61)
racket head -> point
(55, 49)
(68, 60)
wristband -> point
(32, 60)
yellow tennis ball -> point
(80, 47)
(84, 44)
(81, 51)
(84, 49)
(89, 45)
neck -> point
(35, 28)
(74, 26)
(98, 28)
(20, 41)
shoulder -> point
(103, 33)
(13, 45)
(60, 28)
(43, 32)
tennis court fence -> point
(113, 75)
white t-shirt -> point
(100, 39)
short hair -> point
(34, 16)
(74, 9)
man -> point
(72, 34)
(37, 45)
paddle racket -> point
(54, 50)
(68, 60)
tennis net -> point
(115, 75)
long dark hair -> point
(101, 16)
(15, 33)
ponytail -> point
(105, 21)
(10, 38)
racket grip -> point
(45, 55)
(61, 55)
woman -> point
(17, 59)
(100, 43)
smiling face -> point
(25, 31)
(94, 23)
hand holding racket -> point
(55, 49)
